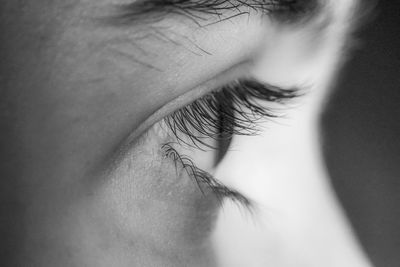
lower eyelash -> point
(203, 178)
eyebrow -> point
(200, 10)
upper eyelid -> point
(122, 148)
(126, 145)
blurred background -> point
(362, 136)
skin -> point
(84, 182)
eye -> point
(168, 162)
(209, 123)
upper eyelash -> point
(236, 104)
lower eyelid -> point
(191, 164)
(170, 187)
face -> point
(119, 117)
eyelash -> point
(195, 9)
(238, 106)
(203, 178)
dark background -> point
(362, 135)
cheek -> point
(154, 208)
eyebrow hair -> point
(201, 10)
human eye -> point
(210, 122)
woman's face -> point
(117, 114)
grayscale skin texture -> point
(83, 180)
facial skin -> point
(83, 180)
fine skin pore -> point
(84, 182)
